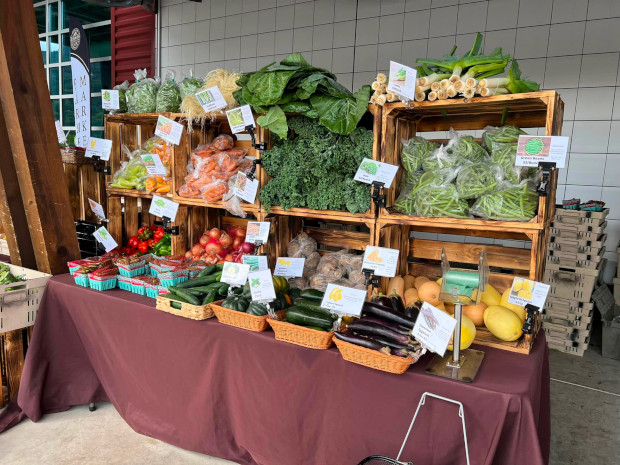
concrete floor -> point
(585, 421)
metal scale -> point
(460, 287)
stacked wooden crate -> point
(574, 261)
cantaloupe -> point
(517, 309)
(419, 281)
(503, 323)
(411, 296)
(429, 292)
(475, 313)
(409, 281)
(468, 333)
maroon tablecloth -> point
(244, 396)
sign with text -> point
(289, 267)
(162, 207)
(383, 261)
(246, 188)
(169, 130)
(62, 138)
(97, 209)
(371, 170)
(153, 164)
(235, 274)
(433, 329)
(532, 150)
(261, 285)
(256, 262)
(402, 80)
(211, 99)
(105, 238)
(239, 118)
(109, 99)
(525, 291)
(343, 300)
(98, 148)
(80, 76)
(257, 231)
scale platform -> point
(470, 361)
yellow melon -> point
(503, 323)
(490, 296)
(468, 333)
(429, 292)
(475, 313)
(517, 309)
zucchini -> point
(223, 289)
(305, 317)
(190, 298)
(174, 297)
(311, 305)
(312, 294)
(191, 290)
(209, 297)
(207, 271)
(212, 278)
(175, 304)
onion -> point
(240, 232)
(228, 257)
(237, 242)
(215, 233)
(226, 240)
(189, 253)
(210, 259)
(213, 247)
(197, 249)
(204, 239)
(246, 248)
(232, 230)
(204, 256)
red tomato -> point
(143, 247)
(134, 242)
(150, 242)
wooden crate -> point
(84, 183)
(345, 216)
(422, 257)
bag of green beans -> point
(439, 159)
(505, 156)
(190, 85)
(122, 98)
(414, 151)
(440, 201)
(168, 95)
(476, 179)
(511, 203)
(465, 148)
(500, 135)
(410, 188)
(142, 95)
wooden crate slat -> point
(72, 178)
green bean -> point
(477, 179)
(501, 135)
(515, 203)
(466, 148)
(414, 151)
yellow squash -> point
(503, 323)
(517, 309)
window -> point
(53, 23)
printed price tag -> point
(343, 300)
(62, 138)
(402, 80)
(371, 170)
(235, 274)
(211, 99)
(97, 209)
(256, 262)
(532, 150)
(257, 231)
(153, 164)
(169, 130)
(289, 267)
(246, 188)
(261, 285)
(98, 148)
(525, 292)
(105, 238)
(433, 329)
(239, 118)
(383, 261)
(161, 207)
(109, 99)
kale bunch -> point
(315, 168)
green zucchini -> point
(223, 289)
(305, 317)
(311, 305)
(207, 271)
(190, 298)
(212, 278)
(312, 294)
(174, 297)
(175, 304)
(209, 297)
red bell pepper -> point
(134, 242)
(157, 235)
(143, 247)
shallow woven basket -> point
(300, 335)
(73, 156)
(373, 358)
(193, 312)
(242, 320)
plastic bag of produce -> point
(299, 283)
(351, 262)
(439, 159)
(505, 156)
(475, 179)
(330, 266)
(440, 201)
(312, 261)
(223, 142)
(302, 245)
(215, 190)
(414, 151)
(410, 180)
(512, 202)
(132, 174)
(465, 148)
(168, 95)
(190, 85)
(232, 203)
(156, 145)
(122, 98)
(406, 201)
(500, 135)
(319, 282)
(357, 277)
(142, 95)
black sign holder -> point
(370, 278)
(375, 194)
(261, 147)
(547, 168)
(168, 228)
(99, 165)
(528, 325)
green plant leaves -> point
(275, 121)
(341, 115)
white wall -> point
(572, 46)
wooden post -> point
(28, 121)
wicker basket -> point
(73, 156)
(300, 335)
(242, 320)
(375, 359)
(193, 312)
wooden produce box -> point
(345, 216)
(571, 283)
(580, 217)
(581, 260)
(422, 257)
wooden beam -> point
(29, 123)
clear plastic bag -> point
(168, 95)
(357, 277)
(406, 201)
(500, 135)
(439, 159)
(299, 283)
(223, 142)
(132, 174)
(505, 156)
(142, 95)
(232, 203)
(476, 179)
(190, 85)
(513, 202)
(312, 261)
(301, 246)
(122, 98)
(351, 262)
(410, 180)
(414, 151)
(465, 149)
(319, 282)
(440, 201)
(330, 266)
(215, 190)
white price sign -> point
(261, 285)
(525, 291)
(433, 329)
(98, 148)
(532, 150)
(60, 133)
(169, 130)
(153, 164)
(162, 207)
(381, 260)
(343, 300)
(235, 274)
(371, 170)
(239, 118)
(289, 267)
(402, 80)
(257, 231)
(256, 262)
(211, 99)
(109, 99)
(104, 237)
(97, 209)
(246, 188)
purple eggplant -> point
(382, 300)
(359, 340)
(397, 303)
(391, 344)
(412, 311)
(388, 324)
(374, 329)
(403, 353)
(387, 314)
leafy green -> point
(168, 96)
(275, 121)
(341, 115)
(6, 277)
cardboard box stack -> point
(574, 261)
(617, 279)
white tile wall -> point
(572, 46)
